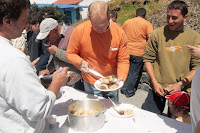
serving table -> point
(141, 122)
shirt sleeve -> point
(151, 50)
(60, 54)
(123, 58)
(72, 53)
(24, 92)
(149, 28)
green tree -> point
(49, 10)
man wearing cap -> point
(57, 38)
(101, 44)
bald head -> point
(98, 10)
(99, 16)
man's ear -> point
(38, 25)
(185, 17)
(6, 21)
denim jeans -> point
(135, 72)
(92, 90)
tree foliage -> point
(49, 10)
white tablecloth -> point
(147, 123)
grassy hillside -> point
(127, 10)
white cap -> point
(46, 26)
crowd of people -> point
(36, 44)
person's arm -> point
(72, 53)
(195, 53)
(43, 61)
(194, 50)
(20, 80)
(60, 54)
(157, 87)
(149, 57)
(123, 59)
(197, 129)
(59, 79)
(35, 61)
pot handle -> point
(69, 101)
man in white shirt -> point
(195, 92)
(24, 102)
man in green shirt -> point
(174, 67)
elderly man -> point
(101, 44)
(57, 38)
(174, 67)
(24, 102)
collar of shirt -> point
(5, 39)
(63, 30)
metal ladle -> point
(121, 112)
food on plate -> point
(108, 83)
(72, 77)
(108, 79)
(128, 112)
(84, 112)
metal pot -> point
(87, 123)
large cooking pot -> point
(86, 123)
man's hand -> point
(158, 89)
(52, 49)
(45, 72)
(59, 79)
(172, 88)
(60, 76)
(195, 50)
(85, 66)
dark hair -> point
(12, 9)
(180, 5)
(141, 12)
(113, 14)
(36, 17)
(184, 110)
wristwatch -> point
(181, 85)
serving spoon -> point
(120, 112)
(96, 73)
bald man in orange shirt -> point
(101, 44)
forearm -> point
(150, 71)
(35, 61)
(197, 129)
(55, 88)
(74, 59)
(188, 79)
(60, 54)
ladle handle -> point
(113, 103)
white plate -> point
(122, 107)
(121, 83)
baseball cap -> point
(180, 98)
(46, 26)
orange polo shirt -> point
(106, 52)
(136, 30)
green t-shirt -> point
(172, 59)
